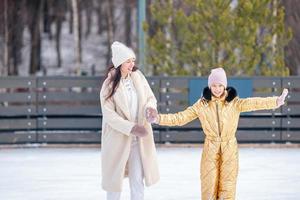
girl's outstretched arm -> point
(261, 103)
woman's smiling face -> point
(127, 66)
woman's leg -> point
(113, 195)
(135, 172)
(229, 171)
(210, 170)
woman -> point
(218, 110)
(127, 145)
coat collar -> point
(230, 94)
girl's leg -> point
(113, 195)
(135, 173)
(229, 171)
(210, 170)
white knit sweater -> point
(131, 95)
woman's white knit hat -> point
(120, 53)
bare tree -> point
(100, 16)
(13, 35)
(35, 13)
(88, 7)
(70, 9)
(292, 50)
(17, 36)
(77, 32)
(110, 27)
(59, 17)
(128, 7)
(6, 38)
(47, 17)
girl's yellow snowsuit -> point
(219, 119)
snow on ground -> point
(74, 173)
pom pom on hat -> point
(217, 75)
(120, 53)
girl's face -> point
(127, 66)
(217, 89)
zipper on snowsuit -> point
(218, 118)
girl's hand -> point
(151, 115)
(281, 98)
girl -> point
(127, 145)
(218, 110)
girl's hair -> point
(114, 76)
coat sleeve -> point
(256, 103)
(150, 99)
(181, 118)
(111, 117)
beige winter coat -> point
(116, 138)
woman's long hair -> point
(114, 75)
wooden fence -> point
(67, 109)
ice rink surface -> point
(75, 174)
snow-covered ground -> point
(74, 174)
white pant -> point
(135, 175)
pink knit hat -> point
(217, 75)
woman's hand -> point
(139, 131)
(151, 115)
(281, 98)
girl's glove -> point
(139, 131)
(281, 98)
